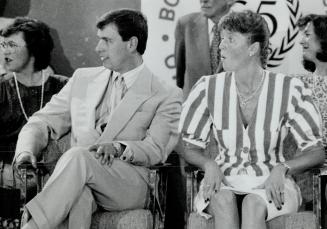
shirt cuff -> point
(200, 144)
(127, 154)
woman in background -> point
(26, 46)
(314, 44)
(250, 110)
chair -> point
(150, 218)
(309, 216)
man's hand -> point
(105, 153)
(24, 158)
(274, 186)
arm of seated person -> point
(212, 174)
(24, 158)
(106, 152)
(274, 185)
(309, 157)
(161, 136)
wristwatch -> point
(287, 167)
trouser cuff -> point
(37, 213)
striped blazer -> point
(284, 104)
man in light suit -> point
(193, 36)
(112, 144)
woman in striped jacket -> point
(250, 111)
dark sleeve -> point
(59, 82)
(180, 54)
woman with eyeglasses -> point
(26, 47)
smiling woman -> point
(314, 44)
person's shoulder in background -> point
(59, 78)
(189, 17)
(5, 77)
(305, 77)
(56, 82)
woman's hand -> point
(212, 179)
(274, 186)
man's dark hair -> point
(130, 23)
(251, 24)
(319, 23)
(36, 34)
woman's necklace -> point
(20, 99)
(244, 100)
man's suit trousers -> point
(79, 183)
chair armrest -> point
(158, 186)
(319, 180)
(310, 183)
(193, 177)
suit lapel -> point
(95, 91)
(139, 92)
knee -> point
(254, 204)
(76, 153)
(223, 200)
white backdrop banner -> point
(281, 16)
(162, 16)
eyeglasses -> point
(10, 46)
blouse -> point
(12, 118)
(318, 85)
(284, 104)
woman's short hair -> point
(36, 34)
(251, 24)
(319, 23)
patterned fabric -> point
(119, 91)
(11, 116)
(318, 85)
(284, 105)
(214, 49)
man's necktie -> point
(214, 49)
(120, 90)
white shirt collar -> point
(131, 76)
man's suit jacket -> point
(192, 50)
(146, 119)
